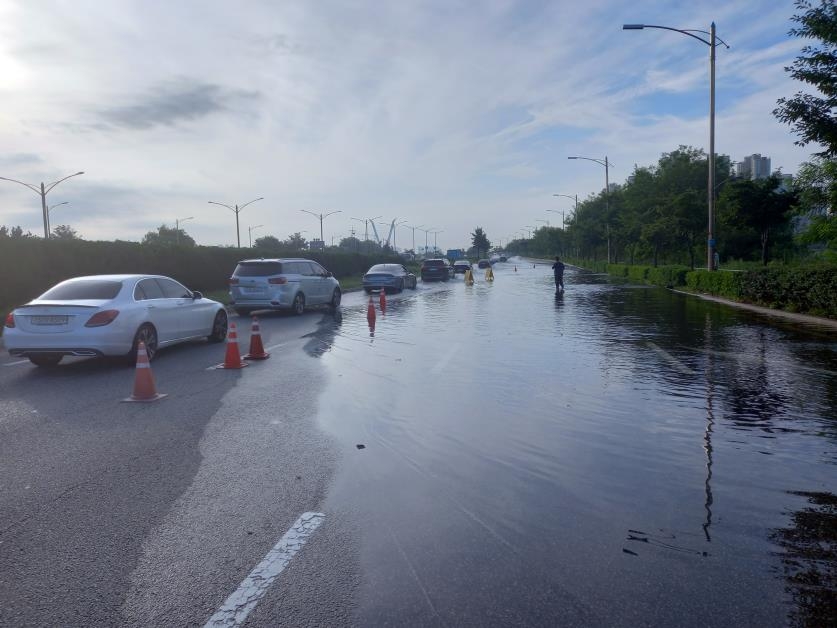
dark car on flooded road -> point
(388, 277)
(436, 270)
(461, 266)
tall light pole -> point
(177, 222)
(237, 210)
(322, 217)
(49, 209)
(607, 166)
(250, 229)
(575, 209)
(414, 235)
(42, 192)
(426, 231)
(542, 220)
(435, 244)
(394, 227)
(531, 229)
(710, 240)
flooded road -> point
(620, 455)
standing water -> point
(616, 455)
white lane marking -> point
(441, 364)
(677, 364)
(758, 358)
(255, 585)
(271, 348)
(16, 363)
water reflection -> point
(809, 560)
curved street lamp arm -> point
(52, 185)
(685, 31)
(232, 209)
(332, 213)
(318, 216)
(601, 162)
(31, 187)
(261, 198)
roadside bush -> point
(638, 273)
(667, 276)
(811, 289)
(720, 283)
(617, 270)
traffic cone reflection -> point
(370, 312)
(383, 300)
(232, 359)
(257, 351)
(144, 387)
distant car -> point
(282, 284)
(460, 266)
(388, 277)
(483, 263)
(436, 269)
(108, 315)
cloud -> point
(172, 103)
(20, 159)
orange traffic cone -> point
(383, 300)
(257, 351)
(370, 312)
(144, 388)
(232, 360)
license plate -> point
(252, 290)
(49, 320)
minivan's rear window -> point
(434, 262)
(258, 269)
(97, 289)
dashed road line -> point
(441, 364)
(16, 363)
(677, 364)
(255, 585)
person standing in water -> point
(558, 269)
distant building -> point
(753, 167)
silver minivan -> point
(282, 284)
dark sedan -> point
(388, 277)
(438, 269)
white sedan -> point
(108, 315)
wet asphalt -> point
(486, 455)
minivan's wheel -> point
(45, 359)
(219, 327)
(336, 296)
(299, 303)
(148, 336)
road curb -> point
(793, 316)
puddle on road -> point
(607, 449)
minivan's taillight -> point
(278, 280)
(100, 319)
(233, 281)
(10, 320)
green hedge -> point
(720, 283)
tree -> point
(296, 241)
(65, 232)
(480, 241)
(167, 236)
(758, 207)
(812, 116)
(350, 244)
(268, 242)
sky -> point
(444, 115)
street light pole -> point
(689, 32)
(42, 192)
(575, 210)
(435, 243)
(606, 165)
(49, 209)
(414, 235)
(177, 222)
(250, 229)
(237, 210)
(322, 217)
